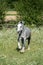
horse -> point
(24, 33)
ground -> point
(8, 44)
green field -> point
(10, 56)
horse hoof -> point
(28, 49)
(22, 51)
(18, 49)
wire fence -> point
(7, 26)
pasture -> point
(8, 44)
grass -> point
(10, 56)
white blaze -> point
(19, 27)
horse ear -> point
(22, 22)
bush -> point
(2, 11)
(30, 10)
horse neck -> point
(23, 28)
(22, 31)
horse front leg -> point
(23, 45)
(19, 46)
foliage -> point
(2, 10)
(30, 10)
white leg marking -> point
(19, 46)
(29, 47)
(22, 50)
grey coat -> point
(26, 33)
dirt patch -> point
(11, 15)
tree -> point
(2, 10)
(30, 10)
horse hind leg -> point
(29, 43)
